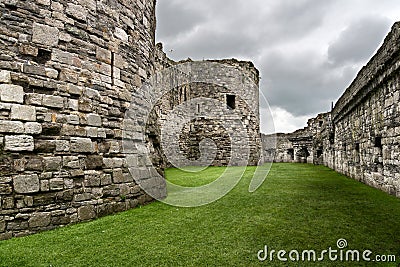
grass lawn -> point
(298, 207)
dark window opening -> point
(378, 142)
(11, 6)
(154, 141)
(290, 152)
(43, 56)
(230, 101)
(184, 94)
(112, 67)
(357, 147)
(321, 123)
(332, 138)
(198, 108)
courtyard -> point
(299, 207)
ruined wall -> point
(305, 145)
(367, 121)
(209, 117)
(68, 71)
(361, 136)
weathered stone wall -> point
(303, 146)
(209, 117)
(68, 72)
(367, 121)
(361, 136)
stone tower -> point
(68, 70)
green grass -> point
(192, 177)
(298, 207)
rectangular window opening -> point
(378, 142)
(230, 101)
(357, 147)
(43, 56)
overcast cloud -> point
(307, 51)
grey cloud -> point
(302, 86)
(304, 60)
(358, 42)
(176, 18)
(235, 29)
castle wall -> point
(200, 110)
(68, 73)
(367, 121)
(361, 136)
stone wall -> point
(201, 110)
(361, 136)
(367, 121)
(68, 72)
(303, 146)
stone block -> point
(19, 143)
(106, 179)
(34, 69)
(81, 145)
(118, 176)
(5, 76)
(62, 57)
(29, 50)
(73, 104)
(45, 35)
(62, 146)
(103, 55)
(25, 184)
(33, 128)
(91, 131)
(68, 75)
(90, 4)
(121, 34)
(86, 212)
(11, 127)
(71, 162)
(23, 113)
(34, 163)
(5, 189)
(39, 220)
(8, 203)
(92, 178)
(51, 73)
(11, 93)
(60, 220)
(56, 184)
(120, 62)
(52, 163)
(44, 185)
(115, 147)
(73, 119)
(53, 101)
(94, 162)
(33, 99)
(44, 2)
(2, 225)
(77, 11)
(94, 120)
(45, 146)
(74, 90)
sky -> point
(307, 51)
